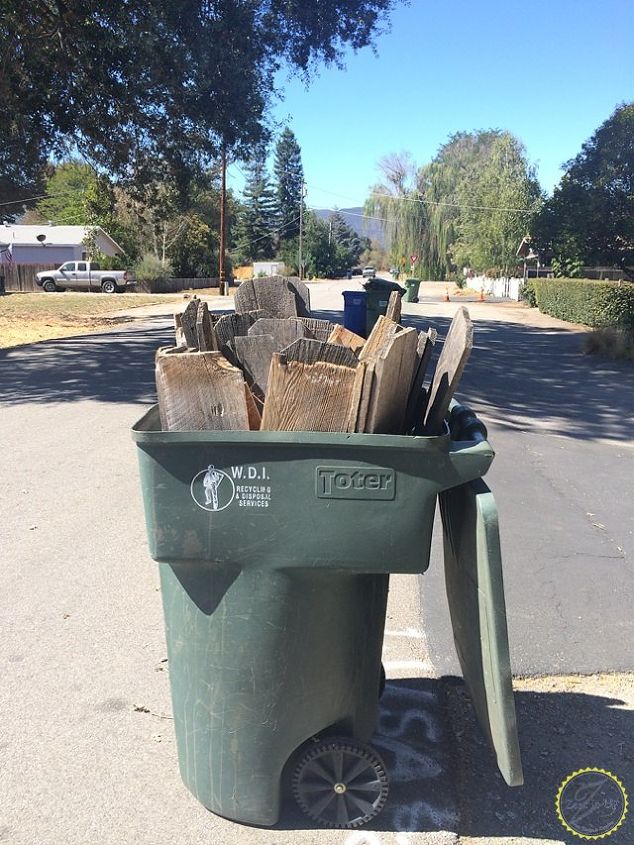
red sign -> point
(413, 259)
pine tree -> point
(289, 178)
(256, 221)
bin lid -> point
(348, 294)
(382, 284)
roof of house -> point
(54, 235)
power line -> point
(429, 202)
(44, 196)
(274, 231)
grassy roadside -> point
(29, 317)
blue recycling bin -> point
(355, 303)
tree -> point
(349, 245)
(289, 180)
(256, 219)
(470, 205)
(498, 203)
(590, 218)
(150, 84)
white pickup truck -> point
(84, 275)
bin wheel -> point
(340, 783)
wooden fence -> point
(21, 277)
(176, 285)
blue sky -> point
(550, 71)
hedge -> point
(591, 303)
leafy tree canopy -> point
(470, 205)
(146, 84)
(590, 218)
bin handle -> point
(469, 450)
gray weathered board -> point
(309, 351)
(200, 391)
(389, 358)
(394, 306)
(451, 363)
(417, 400)
(279, 296)
(319, 329)
(254, 353)
(309, 397)
(284, 331)
(235, 325)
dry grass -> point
(611, 343)
(29, 317)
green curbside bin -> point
(411, 290)
(379, 291)
(275, 550)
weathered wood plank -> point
(200, 391)
(345, 337)
(451, 363)
(284, 331)
(319, 329)
(309, 397)
(279, 296)
(394, 307)
(253, 411)
(416, 401)
(392, 379)
(254, 353)
(205, 332)
(188, 323)
(178, 330)
(389, 356)
(302, 296)
(235, 325)
(310, 351)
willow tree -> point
(404, 218)
(469, 206)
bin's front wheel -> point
(340, 783)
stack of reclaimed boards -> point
(272, 366)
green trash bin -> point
(275, 550)
(379, 291)
(411, 290)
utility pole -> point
(301, 230)
(222, 285)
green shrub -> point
(527, 293)
(597, 304)
(152, 274)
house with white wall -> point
(51, 245)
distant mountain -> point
(354, 218)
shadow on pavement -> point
(519, 373)
(412, 740)
(560, 733)
(443, 775)
(540, 376)
(113, 366)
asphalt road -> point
(85, 737)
